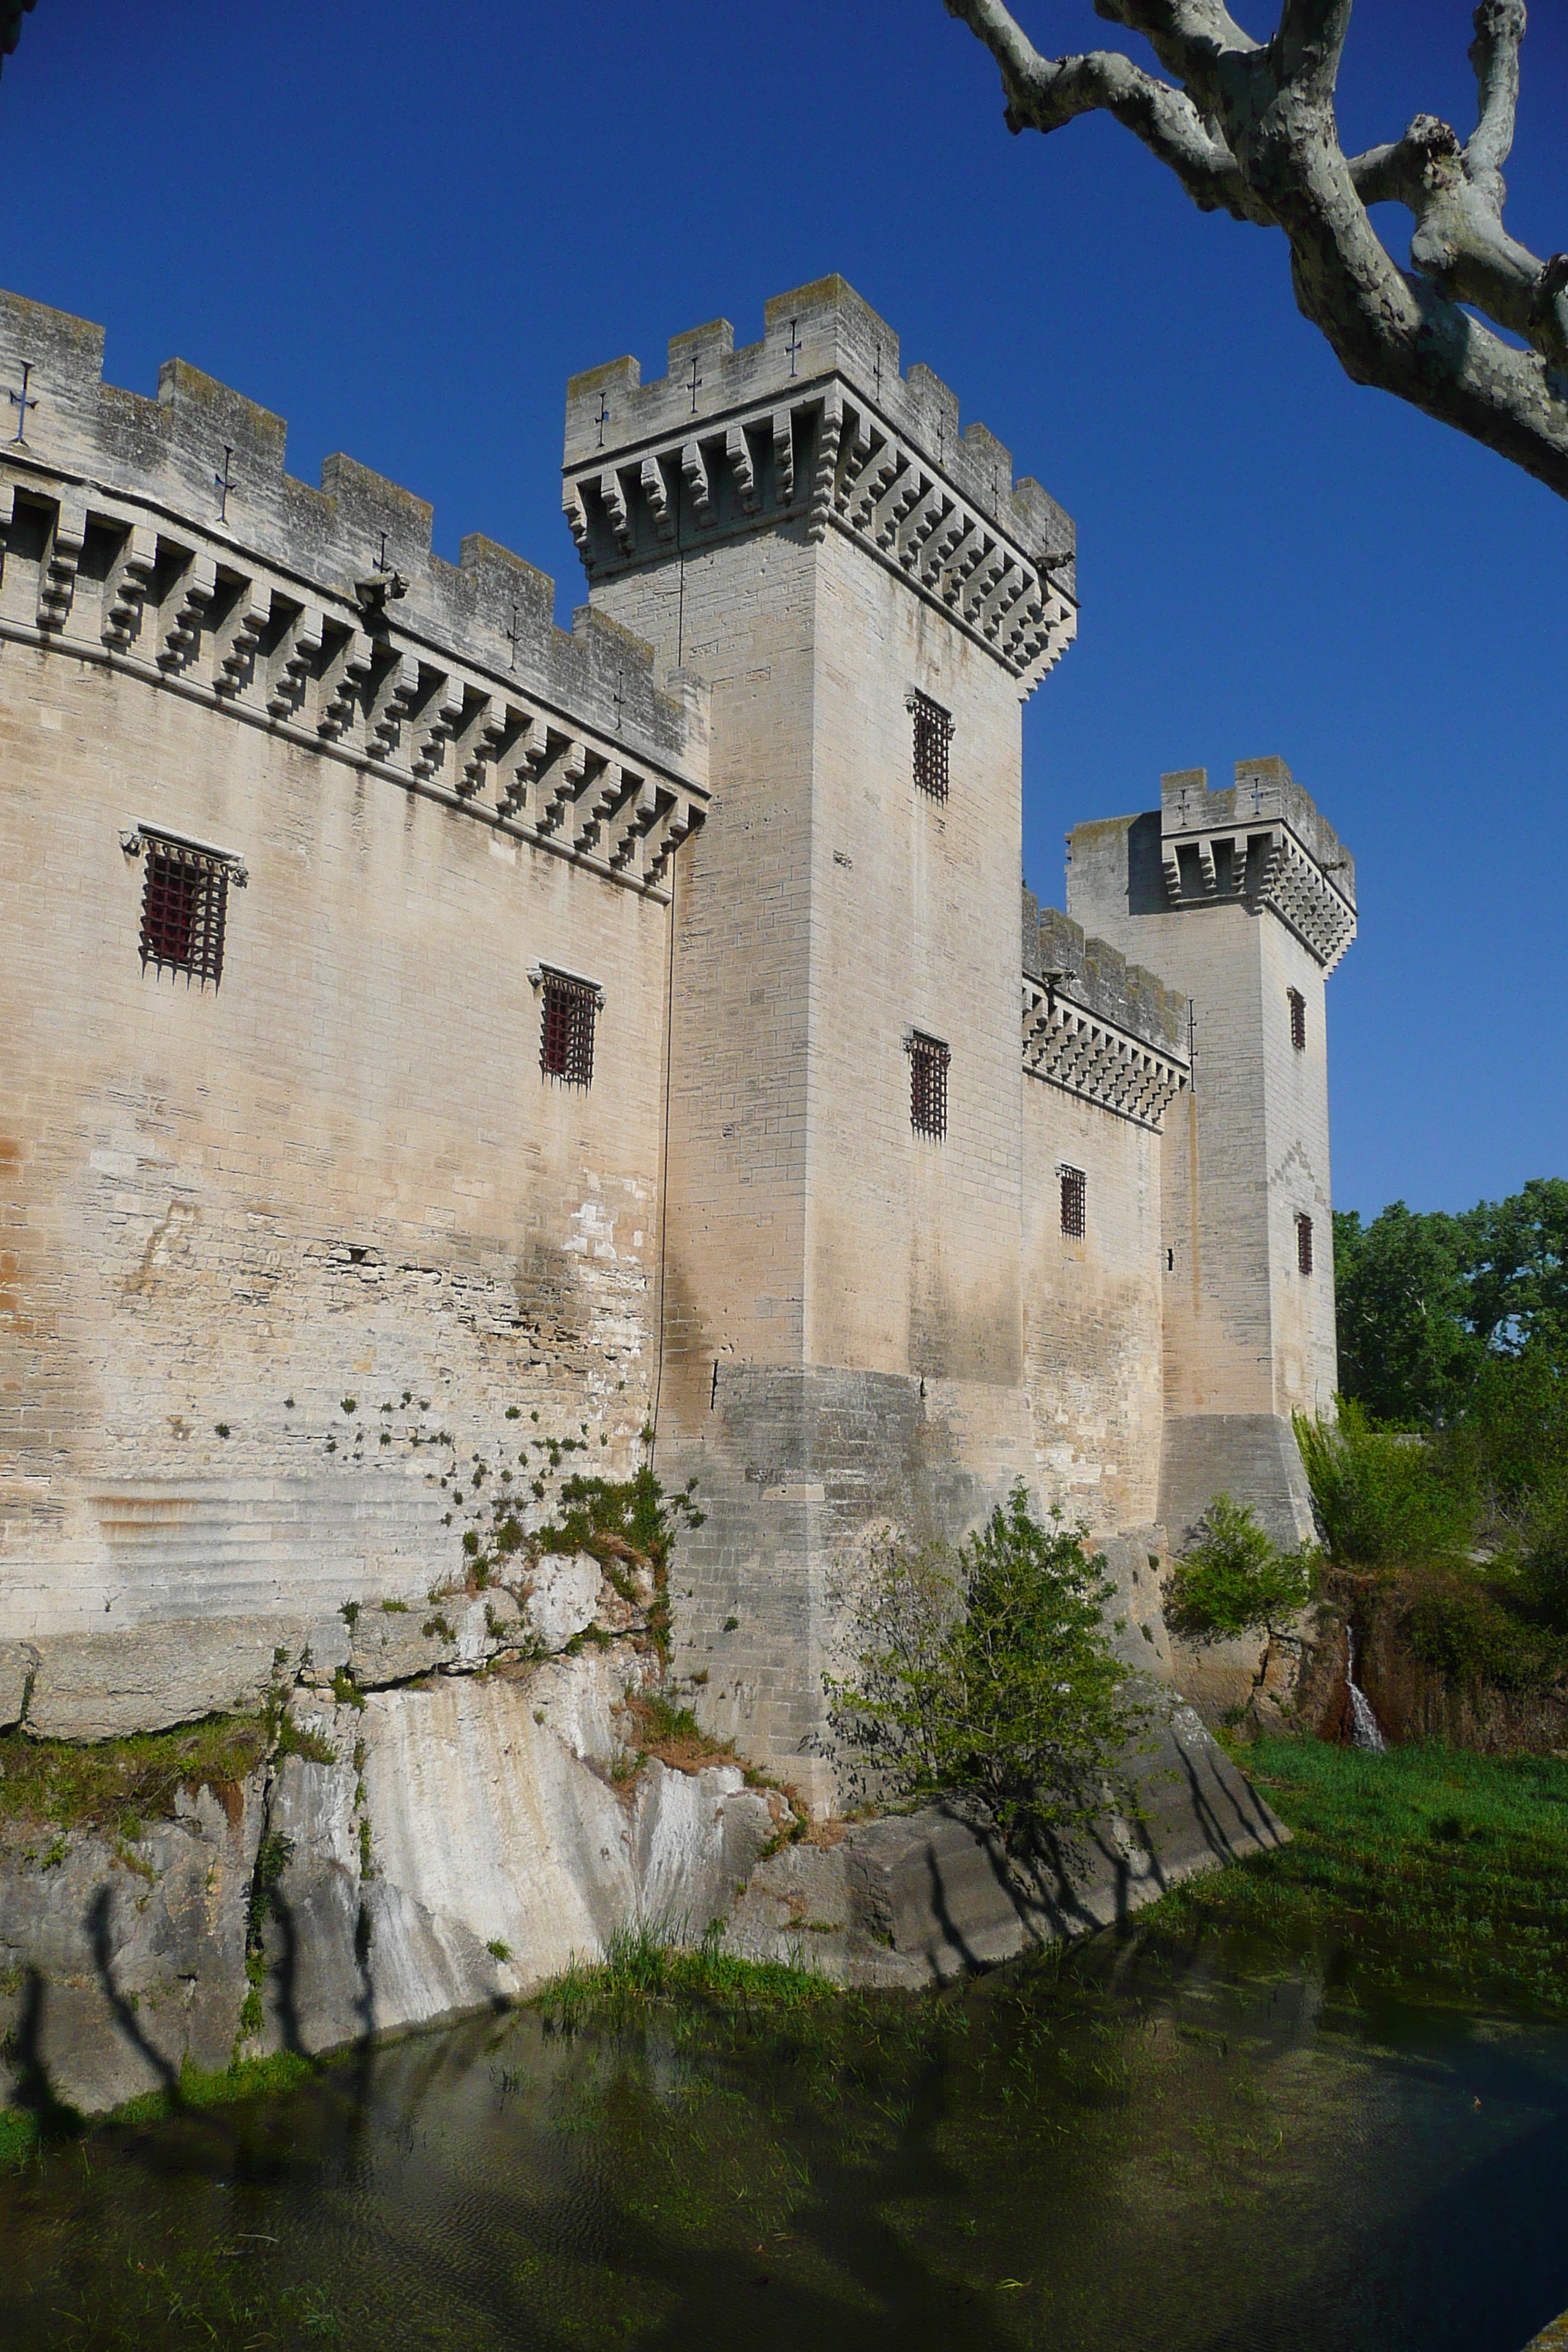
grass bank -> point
(1433, 1868)
(641, 1969)
(23, 2134)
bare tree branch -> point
(1250, 129)
(1044, 93)
(1494, 53)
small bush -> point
(1233, 1580)
(1382, 1496)
(993, 1684)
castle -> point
(428, 1027)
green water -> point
(1192, 2153)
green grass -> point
(1433, 1868)
(119, 1784)
(21, 2137)
(641, 1969)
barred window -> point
(1297, 1003)
(185, 902)
(929, 1058)
(1303, 1243)
(1075, 1201)
(933, 733)
(566, 1027)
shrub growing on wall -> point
(988, 1680)
(1235, 1579)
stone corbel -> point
(738, 451)
(246, 623)
(518, 765)
(197, 587)
(397, 698)
(655, 489)
(632, 820)
(57, 573)
(613, 498)
(829, 436)
(694, 467)
(442, 716)
(559, 782)
(783, 455)
(343, 676)
(293, 660)
(479, 736)
(598, 802)
(577, 518)
(125, 590)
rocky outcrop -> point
(919, 1898)
(468, 1839)
(454, 1805)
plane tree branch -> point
(1250, 129)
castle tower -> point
(1244, 898)
(870, 596)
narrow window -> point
(929, 1058)
(1303, 1245)
(566, 1027)
(933, 733)
(1297, 1003)
(185, 903)
(1075, 1196)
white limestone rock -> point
(115, 1978)
(562, 1597)
(499, 1851)
(145, 1677)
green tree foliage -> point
(1407, 1351)
(990, 1683)
(1385, 1498)
(1425, 1302)
(1234, 1578)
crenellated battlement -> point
(1260, 840)
(162, 536)
(815, 427)
(1098, 1025)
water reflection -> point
(1131, 2152)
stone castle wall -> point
(341, 1173)
(282, 1260)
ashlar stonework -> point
(309, 1219)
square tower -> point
(1245, 900)
(870, 596)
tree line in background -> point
(1449, 1453)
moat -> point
(1197, 2151)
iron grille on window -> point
(185, 903)
(929, 1058)
(566, 1028)
(1075, 1200)
(933, 733)
(1298, 1019)
(1303, 1245)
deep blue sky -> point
(402, 227)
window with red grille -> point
(1303, 1245)
(929, 1058)
(1297, 1003)
(566, 1028)
(1075, 1201)
(933, 733)
(184, 908)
